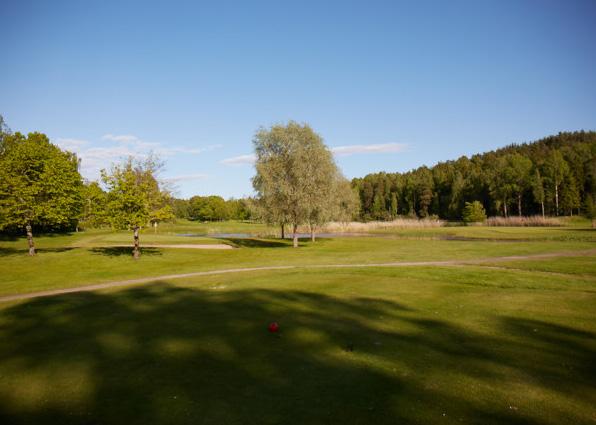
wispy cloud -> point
(239, 160)
(121, 138)
(337, 151)
(187, 177)
(114, 148)
(71, 144)
(358, 149)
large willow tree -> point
(296, 176)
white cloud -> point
(71, 144)
(122, 138)
(115, 148)
(187, 177)
(356, 149)
(238, 160)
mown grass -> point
(95, 257)
(359, 346)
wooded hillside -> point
(555, 176)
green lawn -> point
(513, 344)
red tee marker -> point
(273, 327)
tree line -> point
(297, 183)
(212, 208)
(552, 176)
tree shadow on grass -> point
(162, 354)
(5, 251)
(257, 243)
(118, 251)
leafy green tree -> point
(378, 209)
(209, 208)
(519, 168)
(94, 213)
(132, 193)
(424, 190)
(40, 185)
(289, 181)
(393, 204)
(501, 183)
(556, 169)
(239, 209)
(181, 208)
(570, 198)
(347, 203)
(538, 189)
(474, 212)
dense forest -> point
(552, 176)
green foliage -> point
(295, 176)
(556, 173)
(40, 184)
(181, 208)
(209, 208)
(94, 212)
(474, 212)
(134, 195)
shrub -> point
(474, 212)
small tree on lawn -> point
(474, 212)
(132, 191)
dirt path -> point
(118, 283)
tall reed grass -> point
(532, 221)
(398, 223)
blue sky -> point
(388, 85)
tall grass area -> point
(530, 221)
(398, 223)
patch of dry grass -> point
(398, 223)
(531, 221)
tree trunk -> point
(283, 231)
(155, 227)
(30, 240)
(136, 252)
(295, 236)
(505, 208)
(519, 210)
(557, 199)
(312, 233)
(542, 203)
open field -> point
(486, 342)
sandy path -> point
(118, 283)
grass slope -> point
(417, 345)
